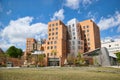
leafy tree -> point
(80, 60)
(54, 53)
(41, 59)
(14, 52)
(70, 59)
(118, 57)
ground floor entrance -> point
(53, 62)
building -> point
(56, 43)
(30, 45)
(111, 45)
(100, 57)
(91, 35)
(75, 40)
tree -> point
(80, 60)
(54, 52)
(14, 52)
(41, 59)
(118, 57)
(71, 59)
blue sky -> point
(20, 19)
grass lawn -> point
(64, 73)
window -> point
(52, 38)
(87, 30)
(87, 34)
(84, 35)
(72, 25)
(48, 47)
(87, 26)
(49, 34)
(52, 29)
(56, 33)
(73, 33)
(73, 29)
(84, 27)
(73, 47)
(74, 38)
(52, 33)
(52, 24)
(56, 37)
(51, 47)
(55, 47)
(109, 45)
(56, 28)
(78, 47)
(81, 47)
(49, 38)
(49, 29)
(88, 39)
(48, 42)
(55, 42)
(56, 24)
(73, 42)
(51, 42)
(47, 54)
(51, 54)
(78, 42)
(88, 43)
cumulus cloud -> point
(9, 12)
(58, 15)
(75, 4)
(18, 30)
(110, 22)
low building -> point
(100, 57)
(111, 45)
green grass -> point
(68, 73)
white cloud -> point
(18, 30)
(110, 22)
(115, 38)
(73, 4)
(9, 12)
(86, 2)
(91, 16)
(58, 15)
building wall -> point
(75, 42)
(56, 40)
(91, 35)
(30, 45)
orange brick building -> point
(91, 35)
(56, 43)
